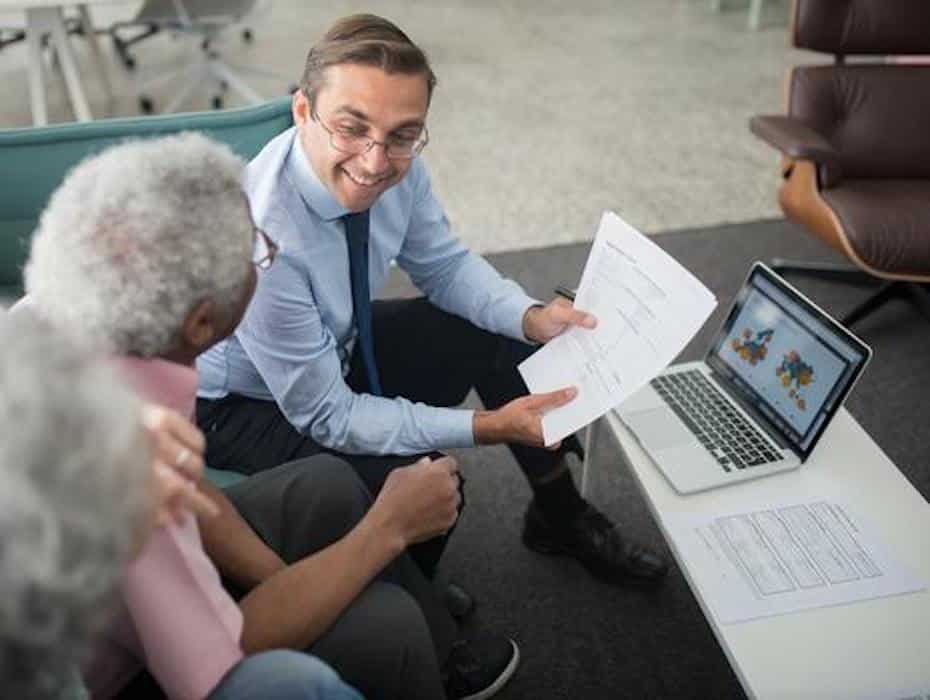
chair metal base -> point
(122, 44)
(207, 69)
(917, 294)
(73, 25)
(11, 36)
(212, 70)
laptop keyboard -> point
(731, 439)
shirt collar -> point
(314, 193)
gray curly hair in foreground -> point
(75, 468)
(137, 236)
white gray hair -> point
(75, 465)
(136, 236)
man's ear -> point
(200, 327)
(300, 108)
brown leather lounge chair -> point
(856, 145)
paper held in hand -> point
(647, 306)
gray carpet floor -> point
(583, 639)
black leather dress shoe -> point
(595, 541)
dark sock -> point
(573, 444)
(558, 499)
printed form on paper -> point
(780, 558)
(647, 306)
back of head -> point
(366, 40)
(74, 464)
(136, 236)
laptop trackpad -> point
(659, 428)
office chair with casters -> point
(856, 146)
(158, 15)
(203, 23)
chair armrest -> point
(800, 142)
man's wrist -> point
(382, 531)
(528, 325)
(486, 428)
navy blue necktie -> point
(357, 237)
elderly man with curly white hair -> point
(150, 249)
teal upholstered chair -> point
(34, 161)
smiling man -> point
(317, 365)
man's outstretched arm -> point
(233, 546)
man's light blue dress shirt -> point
(294, 344)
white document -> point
(786, 557)
(647, 306)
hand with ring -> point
(177, 465)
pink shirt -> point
(175, 618)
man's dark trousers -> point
(423, 354)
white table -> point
(866, 649)
(46, 18)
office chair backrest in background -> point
(861, 27)
(34, 161)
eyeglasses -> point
(263, 250)
(348, 140)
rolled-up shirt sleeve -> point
(296, 355)
(452, 277)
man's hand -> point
(520, 420)
(177, 465)
(420, 501)
(543, 323)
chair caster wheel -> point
(130, 63)
(146, 105)
(247, 36)
(217, 102)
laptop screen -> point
(787, 358)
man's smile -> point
(366, 180)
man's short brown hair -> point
(366, 40)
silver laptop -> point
(774, 376)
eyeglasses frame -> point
(417, 148)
